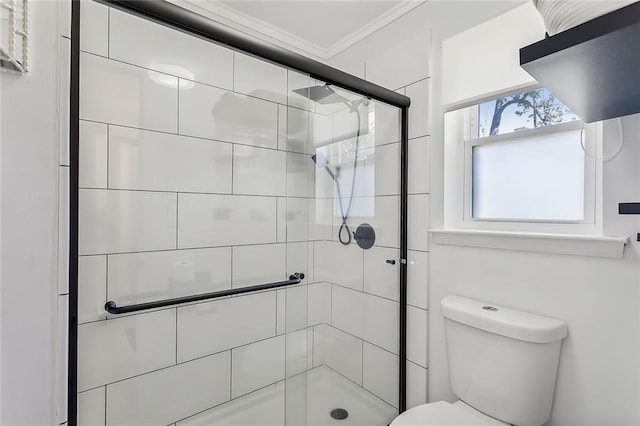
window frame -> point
(466, 121)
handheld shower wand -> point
(322, 162)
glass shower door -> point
(352, 335)
(205, 170)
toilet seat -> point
(443, 413)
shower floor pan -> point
(308, 398)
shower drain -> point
(339, 413)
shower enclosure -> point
(238, 230)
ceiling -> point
(319, 29)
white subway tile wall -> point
(93, 155)
(220, 325)
(114, 350)
(61, 327)
(156, 47)
(366, 316)
(196, 176)
(206, 220)
(91, 407)
(339, 350)
(260, 79)
(170, 394)
(147, 276)
(416, 335)
(94, 26)
(380, 373)
(380, 276)
(266, 404)
(212, 113)
(118, 93)
(257, 365)
(259, 171)
(92, 288)
(253, 265)
(126, 221)
(146, 160)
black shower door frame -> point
(181, 19)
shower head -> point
(322, 94)
(322, 163)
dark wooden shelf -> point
(594, 68)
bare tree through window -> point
(531, 109)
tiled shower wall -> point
(399, 56)
(357, 332)
(197, 177)
(193, 177)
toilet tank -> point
(503, 362)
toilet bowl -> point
(502, 363)
(444, 413)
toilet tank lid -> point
(503, 321)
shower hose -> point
(345, 214)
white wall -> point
(480, 61)
(29, 227)
(598, 375)
(599, 371)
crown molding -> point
(249, 25)
(361, 33)
(252, 26)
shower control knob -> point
(391, 261)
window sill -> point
(578, 245)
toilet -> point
(502, 367)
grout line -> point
(165, 191)
(185, 135)
(106, 405)
(106, 279)
(286, 297)
(176, 341)
(330, 298)
(414, 82)
(184, 249)
(231, 373)
(108, 154)
(285, 361)
(109, 33)
(159, 369)
(417, 365)
(229, 401)
(231, 277)
(277, 221)
(313, 346)
(233, 161)
(361, 387)
(277, 310)
(359, 338)
(362, 362)
(363, 259)
(364, 292)
(177, 218)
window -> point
(524, 162)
